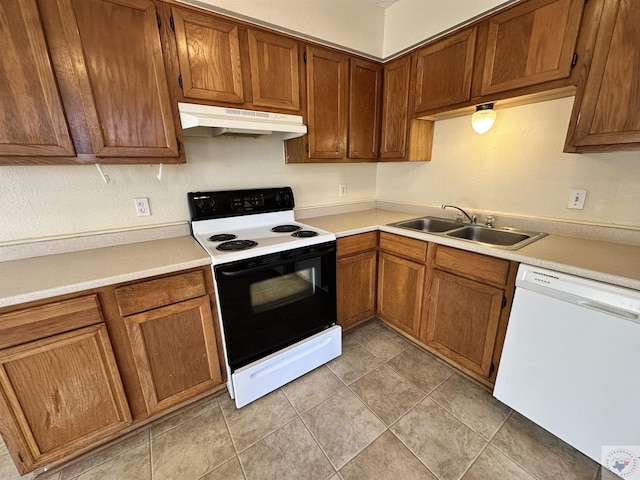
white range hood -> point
(234, 121)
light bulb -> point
(483, 118)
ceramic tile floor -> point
(383, 410)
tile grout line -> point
(79, 460)
(505, 453)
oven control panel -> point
(211, 205)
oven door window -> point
(273, 305)
(276, 292)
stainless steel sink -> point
(428, 224)
(504, 238)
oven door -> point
(273, 301)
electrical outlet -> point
(342, 190)
(577, 198)
(142, 206)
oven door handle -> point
(239, 271)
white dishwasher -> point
(571, 359)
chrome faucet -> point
(472, 218)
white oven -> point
(275, 282)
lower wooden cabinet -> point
(77, 371)
(60, 393)
(401, 276)
(171, 338)
(175, 352)
(466, 308)
(356, 275)
(462, 320)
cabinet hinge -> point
(492, 368)
(504, 302)
(20, 457)
(574, 60)
(171, 24)
(180, 80)
(159, 21)
(307, 148)
(179, 144)
(304, 57)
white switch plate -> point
(577, 198)
(342, 190)
(142, 206)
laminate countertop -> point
(614, 263)
(48, 276)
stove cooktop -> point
(262, 217)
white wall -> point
(43, 201)
(355, 24)
(518, 167)
(408, 22)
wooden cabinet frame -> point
(55, 419)
(161, 386)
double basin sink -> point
(505, 238)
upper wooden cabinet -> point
(606, 114)
(275, 81)
(111, 71)
(402, 138)
(444, 71)
(327, 100)
(531, 43)
(395, 108)
(33, 121)
(365, 96)
(221, 62)
(343, 109)
(208, 56)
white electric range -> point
(275, 283)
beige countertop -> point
(48, 276)
(613, 263)
(36, 278)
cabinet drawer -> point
(403, 246)
(472, 265)
(50, 319)
(357, 243)
(157, 293)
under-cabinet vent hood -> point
(234, 121)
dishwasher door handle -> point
(609, 309)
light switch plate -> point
(577, 198)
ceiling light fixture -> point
(483, 118)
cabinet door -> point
(462, 320)
(608, 112)
(275, 79)
(327, 97)
(400, 290)
(531, 43)
(209, 57)
(365, 91)
(356, 288)
(33, 121)
(395, 108)
(444, 70)
(175, 352)
(113, 49)
(62, 393)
